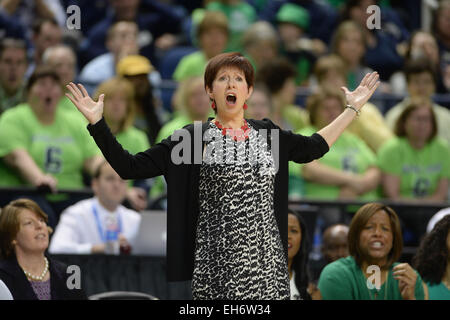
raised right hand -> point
(92, 111)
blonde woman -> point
(119, 113)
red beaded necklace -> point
(237, 134)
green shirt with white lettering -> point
(419, 170)
(349, 153)
(59, 149)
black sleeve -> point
(150, 163)
(304, 149)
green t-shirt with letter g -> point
(59, 149)
(419, 170)
(349, 153)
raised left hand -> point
(365, 90)
(407, 278)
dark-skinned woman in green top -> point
(371, 271)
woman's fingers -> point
(75, 91)
(372, 79)
(364, 80)
(83, 90)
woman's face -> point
(351, 47)
(33, 233)
(230, 91)
(419, 124)
(44, 95)
(376, 238)
(443, 22)
(329, 110)
(116, 107)
(198, 102)
(288, 91)
(424, 45)
(258, 106)
(213, 41)
(294, 236)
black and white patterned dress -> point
(239, 254)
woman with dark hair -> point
(371, 271)
(24, 267)
(432, 260)
(226, 183)
(298, 256)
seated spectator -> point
(298, 256)
(350, 45)
(13, 65)
(279, 76)
(158, 25)
(119, 111)
(191, 103)
(348, 170)
(374, 239)
(27, 11)
(82, 228)
(260, 103)
(370, 126)
(63, 60)
(25, 269)
(260, 44)
(441, 29)
(292, 24)
(432, 260)
(322, 16)
(415, 164)
(381, 44)
(150, 115)
(46, 33)
(43, 146)
(212, 36)
(437, 217)
(422, 45)
(121, 41)
(11, 28)
(421, 85)
(240, 15)
(334, 247)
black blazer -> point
(183, 181)
(16, 281)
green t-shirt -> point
(59, 149)
(240, 17)
(192, 65)
(438, 291)
(178, 122)
(419, 170)
(344, 280)
(348, 153)
(134, 140)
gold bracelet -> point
(354, 109)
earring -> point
(213, 106)
(245, 106)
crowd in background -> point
(132, 50)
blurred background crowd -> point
(148, 58)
